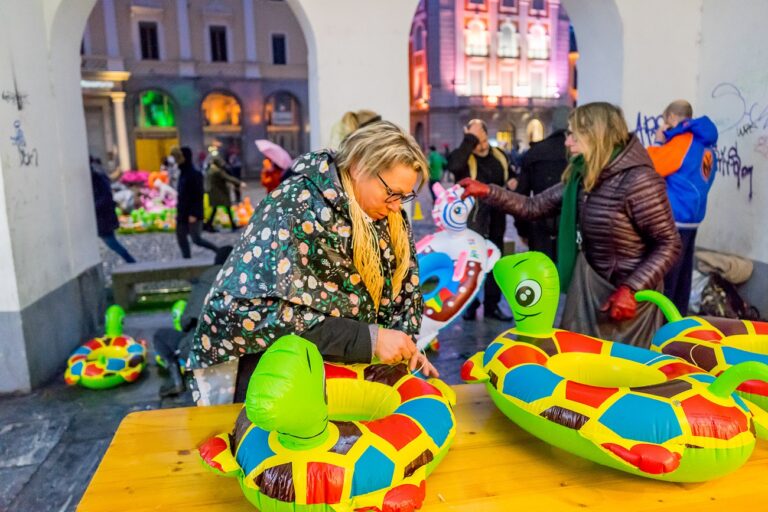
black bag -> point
(720, 298)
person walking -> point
(189, 209)
(476, 159)
(218, 190)
(685, 157)
(106, 217)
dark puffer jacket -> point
(629, 235)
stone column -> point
(118, 104)
(251, 67)
(186, 65)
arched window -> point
(418, 38)
(221, 110)
(155, 110)
(509, 45)
(538, 42)
(476, 37)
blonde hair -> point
(350, 122)
(600, 127)
(374, 149)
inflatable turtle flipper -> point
(473, 371)
(216, 454)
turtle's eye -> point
(528, 293)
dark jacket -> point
(191, 189)
(629, 235)
(293, 272)
(106, 217)
(218, 178)
(489, 170)
(542, 167)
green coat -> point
(293, 267)
(218, 190)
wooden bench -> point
(152, 464)
(126, 277)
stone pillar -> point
(51, 290)
(118, 105)
(251, 67)
(114, 60)
(186, 65)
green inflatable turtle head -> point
(113, 321)
(531, 285)
(286, 393)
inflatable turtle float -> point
(629, 408)
(319, 436)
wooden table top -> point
(152, 464)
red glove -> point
(621, 305)
(474, 188)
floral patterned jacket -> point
(293, 268)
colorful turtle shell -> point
(106, 362)
(716, 344)
(453, 263)
(388, 430)
(622, 406)
(626, 407)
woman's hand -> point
(474, 188)
(621, 305)
(421, 363)
(394, 346)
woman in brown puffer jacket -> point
(617, 234)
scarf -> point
(566, 236)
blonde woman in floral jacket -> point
(328, 255)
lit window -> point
(538, 42)
(476, 81)
(509, 45)
(507, 83)
(148, 39)
(221, 109)
(537, 84)
(476, 38)
(155, 110)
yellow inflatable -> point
(320, 436)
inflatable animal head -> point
(450, 212)
(286, 393)
(531, 285)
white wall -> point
(733, 91)
(48, 202)
(358, 58)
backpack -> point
(720, 298)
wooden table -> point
(152, 464)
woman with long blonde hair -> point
(328, 255)
(616, 236)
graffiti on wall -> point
(729, 163)
(646, 127)
(743, 114)
(27, 156)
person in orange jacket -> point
(270, 175)
(684, 155)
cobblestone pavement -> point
(51, 441)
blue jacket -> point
(688, 162)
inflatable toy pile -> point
(110, 360)
(632, 409)
(321, 436)
(453, 263)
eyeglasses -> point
(396, 196)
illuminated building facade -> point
(159, 73)
(508, 62)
